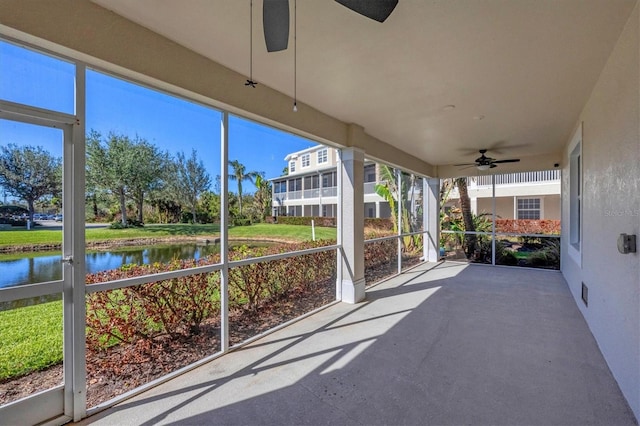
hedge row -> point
(178, 306)
(374, 223)
(528, 226)
(385, 224)
(306, 220)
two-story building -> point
(311, 188)
(524, 195)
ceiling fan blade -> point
(378, 10)
(513, 160)
(275, 21)
(464, 164)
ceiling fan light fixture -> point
(484, 167)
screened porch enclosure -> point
(441, 344)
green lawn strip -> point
(522, 254)
(54, 236)
(24, 237)
(257, 231)
(281, 232)
(30, 338)
(152, 231)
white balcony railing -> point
(311, 193)
(330, 192)
(515, 178)
(370, 187)
(294, 195)
(279, 197)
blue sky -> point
(115, 105)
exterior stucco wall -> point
(610, 206)
(504, 207)
(552, 207)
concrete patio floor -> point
(447, 344)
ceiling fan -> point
(485, 163)
(275, 18)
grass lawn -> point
(257, 231)
(287, 232)
(30, 338)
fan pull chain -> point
(295, 55)
(250, 81)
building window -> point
(294, 211)
(292, 166)
(311, 182)
(528, 208)
(279, 187)
(295, 185)
(323, 156)
(306, 160)
(370, 173)
(328, 210)
(329, 180)
(575, 196)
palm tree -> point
(262, 197)
(240, 174)
(388, 189)
(467, 216)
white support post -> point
(432, 219)
(351, 224)
(77, 363)
(340, 255)
(224, 232)
(493, 220)
(425, 220)
(320, 194)
(399, 218)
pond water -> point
(29, 268)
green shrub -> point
(306, 220)
(178, 307)
(548, 256)
(385, 224)
(506, 257)
(242, 222)
(131, 223)
(380, 253)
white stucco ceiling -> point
(526, 66)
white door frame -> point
(68, 401)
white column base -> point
(353, 292)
